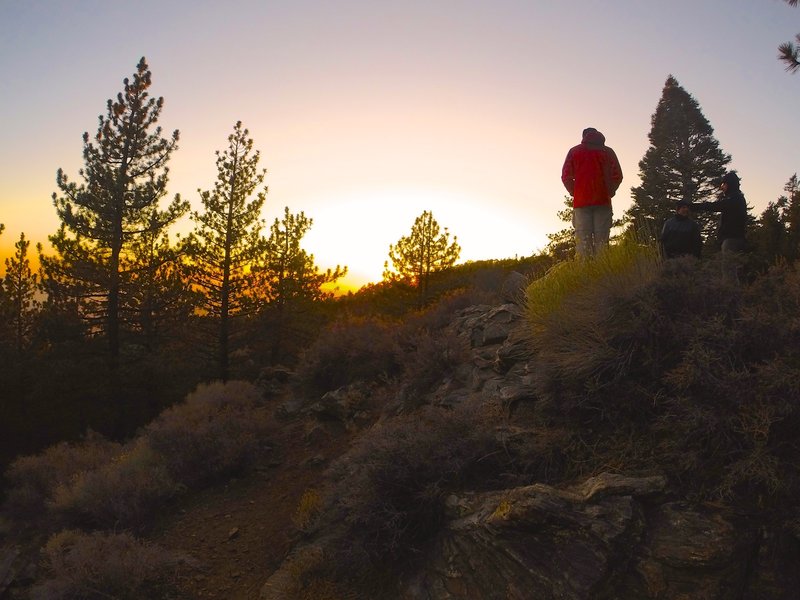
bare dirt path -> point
(237, 534)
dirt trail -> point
(237, 534)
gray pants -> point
(592, 226)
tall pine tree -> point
(417, 256)
(21, 285)
(124, 178)
(226, 240)
(683, 162)
(290, 283)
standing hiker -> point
(591, 174)
(732, 209)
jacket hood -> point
(592, 137)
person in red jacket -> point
(592, 175)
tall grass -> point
(573, 309)
(614, 271)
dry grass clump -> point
(350, 350)
(80, 566)
(219, 429)
(33, 480)
(582, 314)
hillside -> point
(629, 435)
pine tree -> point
(226, 240)
(289, 281)
(21, 285)
(158, 288)
(789, 52)
(777, 235)
(683, 162)
(425, 251)
(562, 243)
(124, 177)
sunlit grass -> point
(589, 282)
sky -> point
(368, 112)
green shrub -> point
(218, 430)
(80, 566)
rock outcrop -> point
(609, 537)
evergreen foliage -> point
(777, 235)
(417, 256)
(684, 161)
(226, 241)
(20, 287)
(562, 243)
(288, 282)
(789, 52)
(124, 177)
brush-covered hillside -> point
(619, 428)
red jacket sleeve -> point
(568, 174)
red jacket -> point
(591, 171)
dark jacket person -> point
(733, 213)
(680, 235)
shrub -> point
(698, 378)
(385, 497)
(429, 359)
(124, 492)
(94, 566)
(33, 480)
(350, 350)
(216, 431)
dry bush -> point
(123, 493)
(350, 350)
(33, 480)
(386, 495)
(219, 429)
(441, 313)
(80, 566)
(428, 359)
(698, 378)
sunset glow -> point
(368, 113)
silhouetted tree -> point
(562, 243)
(124, 178)
(683, 162)
(789, 52)
(425, 251)
(158, 289)
(226, 240)
(289, 281)
(777, 235)
(20, 286)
